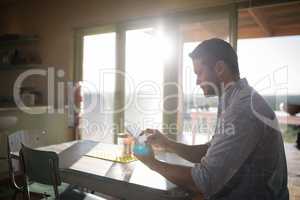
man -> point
(245, 158)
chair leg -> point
(15, 195)
(26, 194)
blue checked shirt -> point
(246, 158)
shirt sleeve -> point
(236, 137)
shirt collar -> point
(237, 84)
(225, 98)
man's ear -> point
(220, 68)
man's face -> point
(206, 78)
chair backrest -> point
(30, 138)
(40, 166)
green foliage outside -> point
(289, 133)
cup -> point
(125, 141)
(141, 149)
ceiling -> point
(269, 21)
(277, 20)
(6, 1)
(266, 21)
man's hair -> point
(214, 50)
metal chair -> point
(14, 144)
(43, 167)
(6, 123)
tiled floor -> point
(293, 162)
(294, 192)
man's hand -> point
(157, 139)
(180, 175)
(148, 159)
(192, 153)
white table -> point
(126, 181)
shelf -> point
(8, 67)
(28, 108)
(19, 41)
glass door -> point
(144, 63)
(139, 73)
(98, 86)
(197, 115)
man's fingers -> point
(151, 138)
(143, 133)
(152, 131)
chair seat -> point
(66, 191)
(46, 189)
(71, 193)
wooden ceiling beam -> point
(244, 4)
(260, 20)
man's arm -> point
(180, 175)
(192, 153)
(177, 174)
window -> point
(271, 66)
(98, 86)
(144, 76)
(153, 58)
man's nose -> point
(198, 82)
